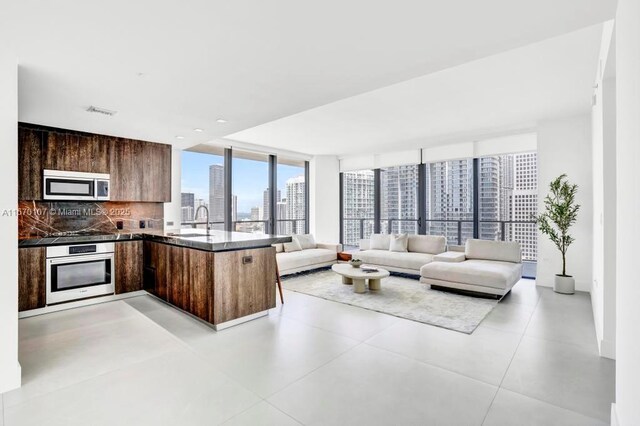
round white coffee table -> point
(358, 278)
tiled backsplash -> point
(42, 218)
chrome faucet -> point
(195, 215)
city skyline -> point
(250, 178)
(507, 192)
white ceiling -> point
(500, 93)
(252, 61)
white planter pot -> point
(564, 285)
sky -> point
(250, 178)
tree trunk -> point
(564, 265)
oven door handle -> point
(78, 259)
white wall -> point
(564, 146)
(9, 366)
(324, 194)
(604, 220)
(628, 213)
(172, 210)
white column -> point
(173, 210)
(9, 366)
(324, 194)
(627, 213)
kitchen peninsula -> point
(223, 277)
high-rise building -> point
(187, 206)
(282, 228)
(399, 199)
(524, 204)
(266, 203)
(216, 193)
(450, 200)
(255, 213)
(295, 188)
(358, 191)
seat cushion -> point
(302, 258)
(405, 260)
(486, 273)
(431, 244)
(503, 251)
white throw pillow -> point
(279, 248)
(379, 242)
(398, 242)
(306, 241)
(294, 245)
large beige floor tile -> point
(262, 414)
(269, 353)
(370, 386)
(562, 374)
(483, 355)
(173, 389)
(510, 408)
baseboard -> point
(79, 304)
(614, 415)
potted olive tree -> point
(561, 211)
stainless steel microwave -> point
(80, 186)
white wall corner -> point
(9, 365)
(614, 416)
(173, 210)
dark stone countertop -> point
(191, 238)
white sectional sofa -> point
(419, 250)
(488, 267)
(304, 254)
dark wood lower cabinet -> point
(216, 287)
(244, 283)
(128, 266)
(32, 278)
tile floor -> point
(533, 361)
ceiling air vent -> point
(102, 111)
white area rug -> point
(401, 297)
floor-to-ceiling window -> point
(509, 200)
(357, 206)
(250, 183)
(243, 204)
(449, 200)
(291, 197)
(399, 199)
(202, 185)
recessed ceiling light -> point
(198, 130)
(221, 120)
(179, 137)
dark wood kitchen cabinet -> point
(244, 283)
(29, 163)
(32, 278)
(128, 266)
(76, 152)
(180, 276)
(140, 171)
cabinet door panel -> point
(75, 152)
(127, 170)
(29, 164)
(128, 258)
(32, 291)
(242, 287)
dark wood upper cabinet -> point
(76, 152)
(128, 266)
(29, 164)
(32, 291)
(140, 171)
